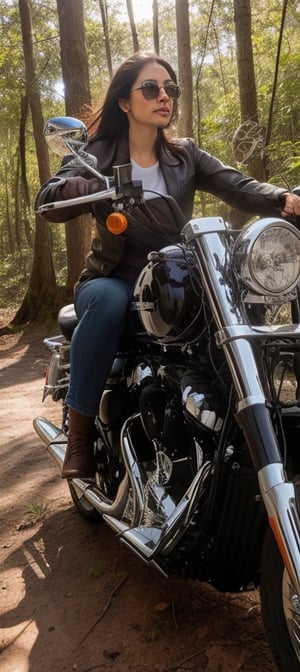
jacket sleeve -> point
(233, 187)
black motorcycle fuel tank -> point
(167, 297)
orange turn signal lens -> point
(116, 222)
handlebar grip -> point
(116, 223)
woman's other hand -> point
(291, 206)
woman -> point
(141, 102)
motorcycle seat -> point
(67, 320)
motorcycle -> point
(197, 435)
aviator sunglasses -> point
(151, 89)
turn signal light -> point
(116, 222)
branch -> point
(103, 612)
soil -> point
(73, 598)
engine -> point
(181, 418)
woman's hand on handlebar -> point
(291, 206)
(80, 186)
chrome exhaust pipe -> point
(90, 491)
(54, 439)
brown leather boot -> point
(79, 458)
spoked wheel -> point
(84, 507)
(280, 603)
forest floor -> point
(72, 597)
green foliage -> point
(14, 277)
(15, 269)
(284, 163)
(38, 509)
(216, 109)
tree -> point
(185, 125)
(75, 72)
(274, 38)
(135, 39)
(155, 27)
(41, 292)
(246, 75)
(104, 16)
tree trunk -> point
(135, 39)
(155, 27)
(75, 72)
(104, 16)
(185, 123)
(246, 75)
(41, 293)
(23, 167)
(10, 238)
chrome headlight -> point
(266, 256)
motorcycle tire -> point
(86, 510)
(278, 600)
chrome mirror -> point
(68, 136)
(65, 135)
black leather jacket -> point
(185, 170)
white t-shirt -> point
(152, 178)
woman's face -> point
(157, 111)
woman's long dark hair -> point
(110, 121)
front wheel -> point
(280, 603)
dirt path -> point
(72, 597)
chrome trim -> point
(250, 401)
(93, 496)
(57, 342)
(199, 226)
(148, 542)
(135, 475)
(264, 234)
(270, 476)
(118, 527)
(243, 331)
(47, 431)
(280, 500)
(54, 439)
(79, 200)
(215, 275)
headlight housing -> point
(266, 256)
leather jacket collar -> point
(116, 152)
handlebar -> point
(125, 194)
(79, 200)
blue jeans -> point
(102, 306)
